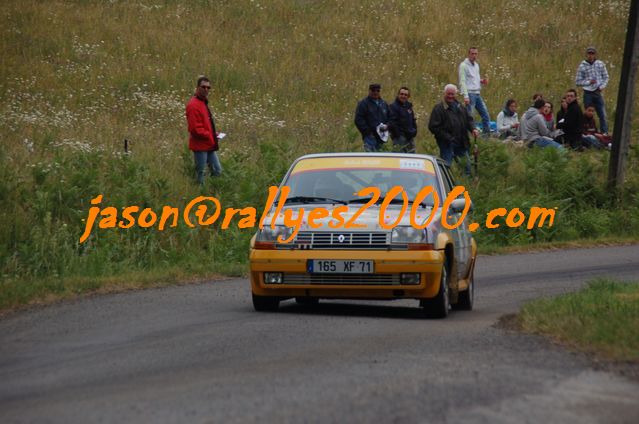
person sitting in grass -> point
(561, 118)
(508, 120)
(561, 113)
(572, 122)
(537, 96)
(533, 127)
(550, 121)
(591, 136)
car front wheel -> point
(265, 303)
(438, 306)
(467, 297)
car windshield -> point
(342, 185)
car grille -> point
(343, 279)
(342, 240)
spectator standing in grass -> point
(592, 76)
(402, 123)
(533, 127)
(450, 123)
(203, 140)
(470, 83)
(372, 113)
(508, 120)
(572, 124)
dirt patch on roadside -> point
(628, 369)
(509, 322)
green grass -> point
(17, 293)
(78, 77)
(602, 319)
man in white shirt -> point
(592, 76)
(470, 86)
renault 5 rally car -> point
(331, 235)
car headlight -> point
(269, 235)
(414, 238)
(408, 234)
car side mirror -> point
(458, 205)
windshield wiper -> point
(313, 199)
(394, 201)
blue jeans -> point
(478, 103)
(448, 152)
(546, 142)
(590, 141)
(403, 145)
(204, 158)
(594, 98)
(372, 144)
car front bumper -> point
(384, 283)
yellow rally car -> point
(325, 238)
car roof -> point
(431, 158)
(367, 154)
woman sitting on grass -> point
(508, 121)
(550, 122)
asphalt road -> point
(199, 353)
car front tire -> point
(438, 306)
(466, 298)
(265, 303)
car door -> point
(461, 233)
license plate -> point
(337, 266)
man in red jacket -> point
(202, 134)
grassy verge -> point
(21, 292)
(602, 319)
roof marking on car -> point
(315, 164)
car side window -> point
(450, 176)
(448, 183)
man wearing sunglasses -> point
(203, 140)
(372, 113)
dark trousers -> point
(449, 151)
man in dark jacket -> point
(372, 111)
(451, 123)
(402, 123)
(572, 122)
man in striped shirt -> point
(470, 86)
(592, 76)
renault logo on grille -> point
(341, 238)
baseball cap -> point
(591, 49)
(375, 86)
